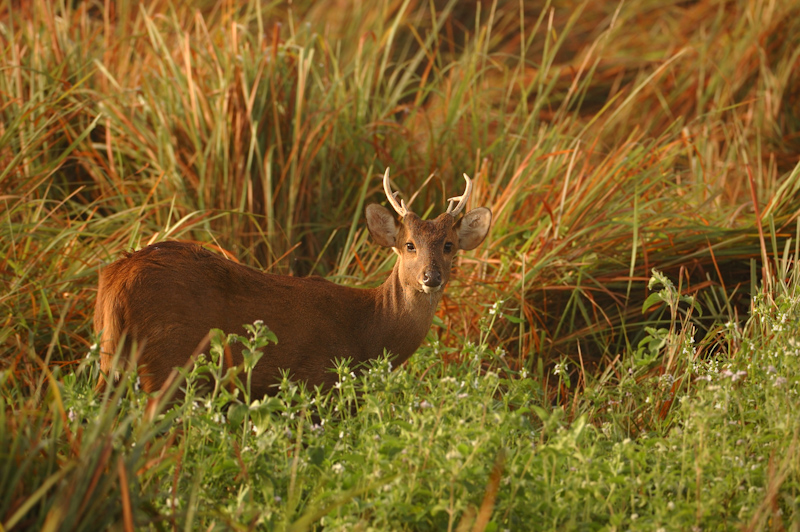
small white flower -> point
(337, 468)
(92, 350)
(733, 376)
(453, 454)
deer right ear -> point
(382, 225)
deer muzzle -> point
(431, 281)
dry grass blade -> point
(487, 506)
(127, 512)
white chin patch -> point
(430, 289)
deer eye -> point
(410, 247)
(448, 247)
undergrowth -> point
(473, 445)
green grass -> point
(555, 390)
(473, 445)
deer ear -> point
(382, 225)
(473, 228)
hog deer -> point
(165, 298)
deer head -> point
(425, 248)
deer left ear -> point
(473, 228)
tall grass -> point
(607, 138)
(261, 129)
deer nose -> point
(432, 278)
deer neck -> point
(405, 315)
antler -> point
(392, 196)
(462, 199)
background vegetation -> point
(556, 390)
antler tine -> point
(400, 206)
(462, 199)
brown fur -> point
(165, 298)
